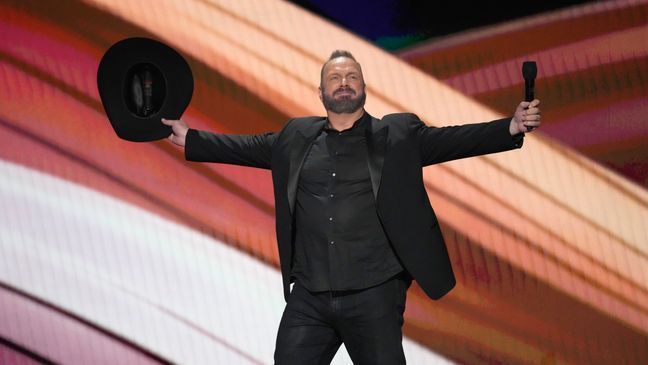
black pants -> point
(369, 323)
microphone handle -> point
(528, 90)
(529, 95)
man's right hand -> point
(178, 131)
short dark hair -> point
(341, 53)
(335, 54)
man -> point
(353, 220)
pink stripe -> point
(60, 337)
(609, 124)
(53, 53)
(596, 51)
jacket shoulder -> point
(401, 118)
(302, 122)
(405, 121)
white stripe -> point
(183, 295)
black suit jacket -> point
(398, 146)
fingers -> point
(172, 122)
(527, 104)
(532, 123)
(531, 118)
(528, 115)
(175, 123)
(178, 131)
(532, 110)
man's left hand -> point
(526, 117)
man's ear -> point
(320, 93)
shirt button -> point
(331, 195)
(332, 242)
(333, 174)
(331, 219)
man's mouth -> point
(344, 92)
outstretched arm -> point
(201, 146)
(438, 145)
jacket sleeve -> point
(244, 150)
(442, 144)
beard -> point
(346, 104)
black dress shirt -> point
(340, 243)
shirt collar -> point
(363, 121)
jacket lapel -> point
(298, 149)
(376, 137)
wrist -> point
(513, 127)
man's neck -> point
(344, 121)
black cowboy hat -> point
(140, 81)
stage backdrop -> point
(120, 252)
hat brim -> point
(112, 80)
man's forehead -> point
(341, 64)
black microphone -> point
(529, 72)
(148, 92)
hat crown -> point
(144, 90)
(141, 81)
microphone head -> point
(529, 70)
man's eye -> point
(334, 77)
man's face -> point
(342, 88)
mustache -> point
(345, 89)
